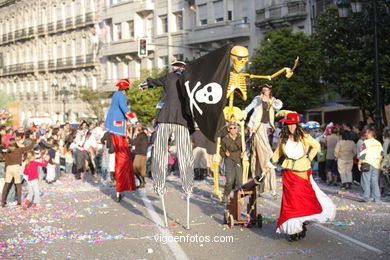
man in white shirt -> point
(98, 133)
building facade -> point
(49, 49)
(122, 26)
(47, 54)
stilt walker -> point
(237, 84)
(171, 120)
(116, 124)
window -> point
(179, 57)
(114, 71)
(164, 24)
(218, 11)
(117, 32)
(179, 21)
(163, 62)
(149, 27)
(125, 70)
(130, 24)
(230, 15)
(203, 14)
(113, 2)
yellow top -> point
(302, 164)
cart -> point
(233, 210)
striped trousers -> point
(261, 156)
(184, 155)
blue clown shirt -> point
(116, 118)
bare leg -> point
(4, 194)
(19, 192)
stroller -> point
(232, 214)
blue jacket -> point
(116, 120)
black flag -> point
(205, 83)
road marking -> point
(333, 232)
(174, 246)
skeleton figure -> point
(237, 84)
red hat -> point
(291, 118)
(123, 84)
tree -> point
(4, 100)
(143, 103)
(346, 55)
(94, 100)
(279, 49)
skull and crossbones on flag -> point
(205, 83)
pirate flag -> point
(205, 83)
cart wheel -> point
(231, 221)
(259, 221)
(226, 217)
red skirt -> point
(124, 174)
(299, 198)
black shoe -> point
(118, 198)
(302, 234)
(3, 205)
(293, 238)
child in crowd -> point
(31, 170)
(39, 155)
(13, 160)
(51, 167)
(68, 161)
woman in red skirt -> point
(302, 201)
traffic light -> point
(142, 48)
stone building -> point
(49, 49)
(47, 52)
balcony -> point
(89, 18)
(219, 31)
(30, 31)
(144, 7)
(10, 36)
(22, 68)
(60, 26)
(79, 21)
(6, 2)
(28, 67)
(69, 23)
(90, 60)
(51, 28)
(41, 29)
(123, 47)
(42, 66)
(85, 61)
(18, 34)
(277, 16)
(80, 60)
(51, 65)
(65, 63)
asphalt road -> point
(80, 220)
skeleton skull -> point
(239, 56)
(209, 94)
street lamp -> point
(356, 6)
(63, 94)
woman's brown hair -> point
(298, 135)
